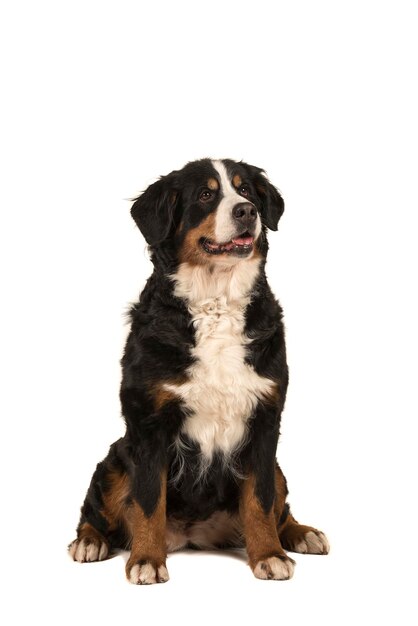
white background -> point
(98, 99)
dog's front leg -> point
(266, 556)
(147, 562)
(146, 444)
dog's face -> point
(210, 211)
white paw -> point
(88, 550)
(314, 542)
(147, 574)
(274, 569)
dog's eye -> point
(206, 195)
(244, 190)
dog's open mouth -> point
(243, 244)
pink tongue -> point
(243, 241)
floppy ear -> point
(272, 204)
(153, 211)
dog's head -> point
(210, 212)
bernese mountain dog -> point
(203, 387)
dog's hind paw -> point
(313, 542)
(88, 549)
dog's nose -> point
(244, 213)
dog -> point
(203, 387)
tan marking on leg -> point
(115, 500)
(88, 531)
(263, 546)
(260, 531)
(146, 564)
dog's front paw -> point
(274, 568)
(146, 573)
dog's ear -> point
(272, 203)
(153, 211)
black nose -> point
(244, 213)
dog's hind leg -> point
(295, 537)
(91, 543)
(101, 525)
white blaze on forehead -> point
(225, 228)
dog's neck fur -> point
(199, 283)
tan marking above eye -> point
(237, 181)
(213, 184)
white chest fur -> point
(222, 390)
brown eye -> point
(205, 195)
(244, 191)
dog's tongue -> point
(243, 241)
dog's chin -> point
(239, 247)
